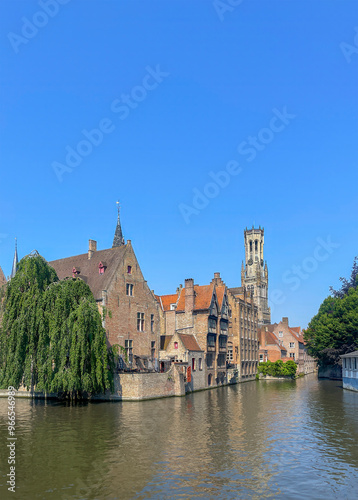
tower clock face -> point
(250, 262)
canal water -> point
(273, 439)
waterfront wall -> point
(333, 372)
(350, 383)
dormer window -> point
(129, 269)
(102, 267)
(75, 271)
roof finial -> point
(118, 239)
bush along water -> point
(277, 369)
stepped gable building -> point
(254, 273)
(291, 339)
(243, 332)
(200, 313)
(129, 309)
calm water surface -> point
(256, 440)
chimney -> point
(285, 321)
(92, 248)
(189, 295)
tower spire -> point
(15, 261)
(118, 239)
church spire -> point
(15, 261)
(118, 239)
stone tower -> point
(254, 273)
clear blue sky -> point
(221, 75)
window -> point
(128, 346)
(152, 322)
(292, 345)
(175, 345)
(255, 245)
(200, 363)
(129, 269)
(261, 358)
(152, 349)
(140, 322)
(280, 334)
(129, 289)
(230, 354)
(193, 364)
(172, 307)
(250, 246)
(211, 341)
(292, 355)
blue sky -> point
(179, 89)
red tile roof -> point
(220, 292)
(298, 336)
(203, 297)
(166, 300)
(189, 342)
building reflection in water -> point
(256, 440)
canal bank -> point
(273, 439)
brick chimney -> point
(189, 295)
(92, 248)
(285, 321)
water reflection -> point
(255, 440)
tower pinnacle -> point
(118, 239)
(15, 261)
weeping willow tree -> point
(52, 335)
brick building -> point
(291, 338)
(270, 348)
(202, 313)
(243, 332)
(129, 309)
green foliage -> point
(277, 369)
(52, 335)
(334, 329)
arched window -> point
(255, 245)
(250, 246)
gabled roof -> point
(166, 300)
(164, 341)
(220, 292)
(189, 342)
(297, 336)
(271, 339)
(203, 297)
(89, 267)
(350, 355)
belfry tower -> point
(254, 273)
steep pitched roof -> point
(220, 292)
(189, 342)
(271, 339)
(298, 336)
(164, 341)
(89, 267)
(203, 296)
